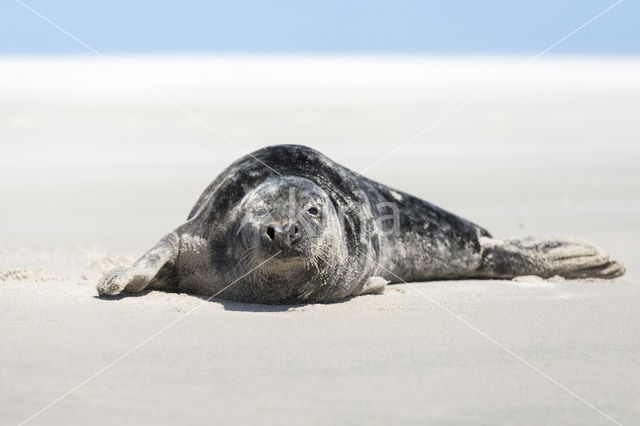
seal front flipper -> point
(154, 269)
(546, 257)
(373, 285)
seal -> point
(287, 225)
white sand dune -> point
(97, 166)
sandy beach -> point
(100, 159)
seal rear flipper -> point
(154, 269)
(546, 257)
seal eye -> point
(313, 211)
(261, 211)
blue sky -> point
(327, 26)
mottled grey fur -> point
(288, 225)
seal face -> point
(288, 240)
(288, 225)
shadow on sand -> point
(228, 305)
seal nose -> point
(283, 237)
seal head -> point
(288, 240)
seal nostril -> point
(293, 232)
(271, 232)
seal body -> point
(286, 224)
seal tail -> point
(546, 257)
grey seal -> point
(287, 225)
